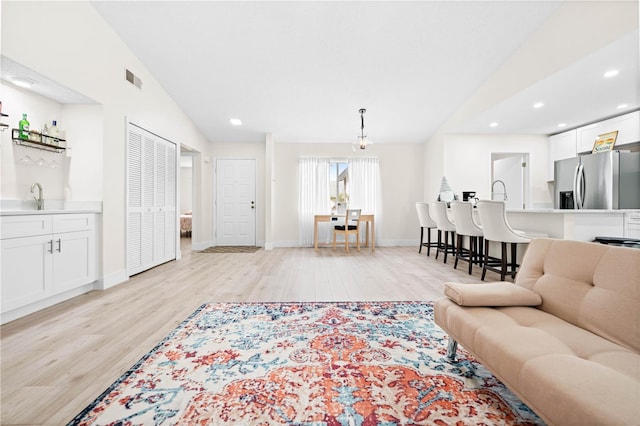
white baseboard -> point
(398, 243)
(382, 243)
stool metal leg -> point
(503, 265)
(459, 246)
(514, 265)
(452, 348)
(486, 259)
(472, 252)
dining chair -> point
(351, 227)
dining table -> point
(368, 219)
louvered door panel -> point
(134, 242)
(148, 171)
(134, 200)
(151, 200)
(134, 170)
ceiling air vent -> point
(133, 79)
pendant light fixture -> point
(362, 139)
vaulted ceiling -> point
(301, 70)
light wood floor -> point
(57, 361)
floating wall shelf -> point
(39, 141)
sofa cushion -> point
(493, 294)
(593, 286)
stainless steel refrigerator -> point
(605, 180)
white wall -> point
(466, 162)
(84, 54)
(17, 178)
(401, 169)
(186, 180)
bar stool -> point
(466, 226)
(495, 227)
(426, 222)
(438, 210)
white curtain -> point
(365, 188)
(313, 198)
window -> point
(324, 183)
(338, 185)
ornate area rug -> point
(230, 249)
(378, 363)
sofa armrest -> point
(491, 294)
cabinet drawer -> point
(25, 226)
(73, 222)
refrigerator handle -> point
(580, 186)
(576, 193)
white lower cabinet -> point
(37, 267)
(26, 271)
(632, 225)
(73, 263)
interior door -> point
(152, 226)
(509, 170)
(236, 206)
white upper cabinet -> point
(627, 125)
(561, 146)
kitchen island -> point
(580, 225)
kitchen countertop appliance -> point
(605, 180)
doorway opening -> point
(510, 179)
(188, 203)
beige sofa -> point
(565, 338)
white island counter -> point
(581, 225)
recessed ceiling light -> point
(562, 125)
(611, 73)
(21, 81)
(538, 105)
(236, 122)
(494, 124)
(622, 106)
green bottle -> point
(23, 127)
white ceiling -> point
(301, 70)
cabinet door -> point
(73, 260)
(627, 125)
(632, 225)
(165, 220)
(561, 146)
(26, 270)
(25, 225)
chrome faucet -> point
(504, 188)
(39, 200)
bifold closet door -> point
(151, 200)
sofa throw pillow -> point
(491, 294)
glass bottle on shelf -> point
(45, 134)
(53, 132)
(23, 127)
